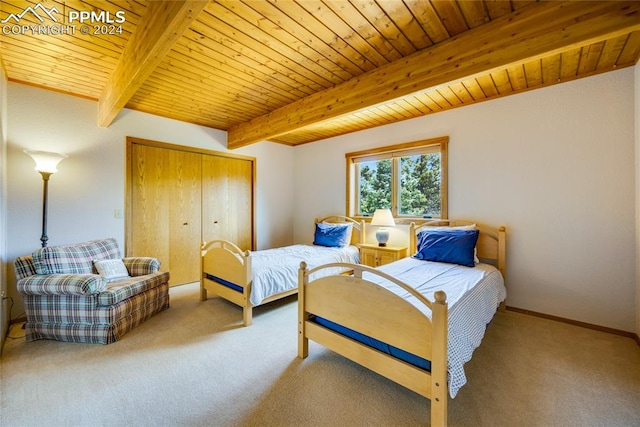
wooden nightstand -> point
(374, 256)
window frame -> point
(425, 146)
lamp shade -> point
(383, 218)
(46, 161)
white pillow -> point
(111, 269)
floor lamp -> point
(46, 164)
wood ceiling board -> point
(406, 105)
(533, 72)
(428, 19)
(343, 31)
(517, 77)
(54, 71)
(539, 29)
(317, 37)
(487, 85)
(257, 36)
(631, 51)
(400, 32)
(219, 37)
(461, 92)
(611, 52)
(498, 8)
(172, 102)
(474, 13)
(359, 24)
(160, 27)
(501, 80)
(329, 38)
(184, 70)
(451, 17)
(66, 48)
(235, 68)
(301, 51)
(569, 61)
(551, 69)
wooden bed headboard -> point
(357, 236)
(491, 244)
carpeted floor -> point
(195, 365)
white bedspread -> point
(473, 295)
(276, 270)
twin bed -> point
(413, 321)
(249, 279)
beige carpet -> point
(194, 365)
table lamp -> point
(382, 218)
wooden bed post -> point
(303, 341)
(412, 239)
(502, 260)
(203, 290)
(439, 359)
(247, 314)
(247, 308)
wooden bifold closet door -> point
(178, 198)
(227, 188)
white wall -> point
(554, 165)
(90, 184)
(4, 315)
(637, 194)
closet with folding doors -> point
(179, 197)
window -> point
(410, 179)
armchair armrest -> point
(61, 284)
(140, 266)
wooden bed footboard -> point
(365, 307)
(233, 265)
(228, 262)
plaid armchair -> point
(67, 299)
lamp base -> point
(382, 236)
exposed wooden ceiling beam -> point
(160, 27)
(524, 35)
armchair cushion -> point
(123, 289)
(24, 267)
(141, 266)
(74, 259)
(62, 284)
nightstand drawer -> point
(375, 256)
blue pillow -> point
(453, 246)
(332, 235)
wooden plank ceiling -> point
(297, 71)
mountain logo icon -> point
(34, 11)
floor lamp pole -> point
(45, 193)
(46, 163)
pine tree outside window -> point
(410, 179)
